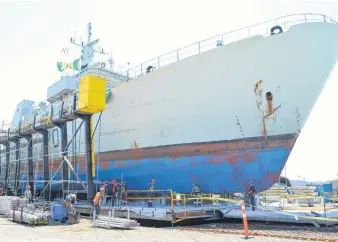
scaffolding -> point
(30, 153)
(27, 158)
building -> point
(334, 187)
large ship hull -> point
(217, 167)
(207, 119)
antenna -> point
(87, 49)
(89, 32)
(111, 61)
(73, 41)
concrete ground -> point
(10, 232)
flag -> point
(63, 66)
(65, 51)
(68, 65)
(60, 66)
(76, 65)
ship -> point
(218, 113)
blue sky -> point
(34, 33)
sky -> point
(33, 34)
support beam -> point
(97, 123)
(1, 170)
(8, 149)
(64, 142)
(89, 157)
(17, 166)
(30, 161)
(3, 152)
(45, 139)
(45, 162)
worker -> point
(68, 206)
(104, 186)
(105, 192)
(149, 69)
(195, 189)
(252, 195)
(151, 189)
(115, 188)
(152, 185)
(98, 201)
(71, 197)
(115, 184)
(114, 191)
(28, 194)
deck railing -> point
(262, 28)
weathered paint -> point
(210, 98)
(225, 166)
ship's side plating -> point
(220, 95)
(220, 118)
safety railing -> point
(262, 28)
(138, 197)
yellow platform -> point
(92, 95)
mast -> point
(89, 32)
(87, 49)
(111, 61)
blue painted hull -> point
(224, 172)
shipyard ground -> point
(85, 232)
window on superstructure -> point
(55, 136)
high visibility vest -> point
(67, 204)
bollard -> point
(245, 222)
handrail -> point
(200, 47)
(204, 45)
